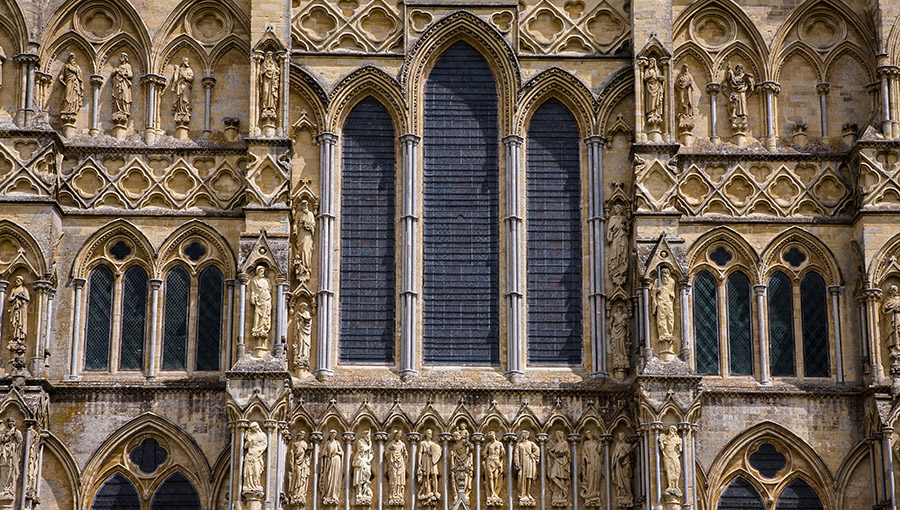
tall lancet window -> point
(461, 226)
(554, 237)
(367, 236)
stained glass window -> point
(814, 315)
(175, 493)
(117, 493)
(740, 495)
(706, 324)
(209, 318)
(767, 460)
(740, 332)
(178, 288)
(134, 319)
(798, 495)
(99, 319)
(781, 324)
(148, 455)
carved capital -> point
(445, 437)
(873, 294)
(512, 140)
(760, 290)
(154, 79)
(414, 436)
(42, 286)
(327, 138)
(208, 82)
(887, 71)
(606, 439)
(476, 437)
(155, 284)
(823, 88)
(242, 425)
(96, 80)
(542, 437)
(573, 438)
(596, 140)
(381, 436)
(656, 426)
(683, 427)
(410, 138)
(27, 59)
(349, 437)
(834, 289)
(769, 87)
(243, 278)
(511, 437)
(316, 437)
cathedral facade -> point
(449, 254)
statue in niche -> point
(396, 456)
(526, 458)
(461, 456)
(332, 469)
(670, 445)
(269, 86)
(73, 89)
(559, 470)
(10, 455)
(182, 81)
(298, 476)
(619, 329)
(617, 236)
(33, 463)
(427, 472)
(18, 310)
(623, 470)
(362, 469)
(688, 97)
(591, 470)
(664, 310)
(304, 232)
(255, 445)
(304, 333)
(653, 83)
(738, 85)
(261, 299)
(122, 79)
(493, 468)
(891, 308)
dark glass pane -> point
(175, 493)
(740, 332)
(706, 324)
(767, 460)
(99, 319)
(134, 319)
(117, 493)
(461, 281)
(740, 495)
(798, 495)
(720, 256)
(148, 455)
(195, 251)
(794, 257)
(178, 288)
(814, 314)
(120, 250)
(781, 324)
(367, 236)
(209, 318)
(554, 237)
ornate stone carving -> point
(298, 475)
(269, 92)
(654, 86)
(688, 95)
(663, 308)
(182, 81)
(255, 445)
(362, 469)
(303, 320)
(73, 90)
(620, 336)
(304, 235)
(670, 446)
(427, 473)
(494, 452)
(19, 297)
(33, 465)
(622, 461)
(526, 458)
(617, 237)
(591, 470)
(122, 78)
(738, 85)
(10, 457)
(559, 469)
(261, 299)
(395, 457)
(461, 461)
(891, 309)
(332, 469)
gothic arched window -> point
(117, 493)
(706, 323)
(192, 320)
(740, 495)
(99, 318)
(108, 298)
(814, 314)
(210, 287)
(740, 329)
(798, 495)
(175, 331)
(781, 324)
(175, 493)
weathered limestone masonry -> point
(449, 254)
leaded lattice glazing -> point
(99, 319)
(178, 288)
(740, 330)
(117, 493)
(134, 319)
(209, 318)
(148, 455)
(706, 324)
(798, 495)
(781, 324)
(175, 493)
(814, 315)
(740, 495)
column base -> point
(514, 376)
(181, 132)
(714, 139)
(771, 142)
(68, 130)
(150, 136)
(323, 374)
(119, 132)
(408, 374)
(765, 384)
(71, 378)
(686, 138)
(740, 139)
(602, 374)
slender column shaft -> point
(656, 467)
(835, 291)
(348, 440)
(380, 438)
(607, 478)
(573, 439)
(29, 437)
(96, 83)
(51, 294)
(316, 437)
(154, 329)
(647, 472)
(413, 444)
(280, 316)
(823, 89)
(231, 460)
(713, 90)
(326, 294)
(208, 84)
(238, 480)
(889, 467)
(873, 300)
(151, 107)
(515, 294)
(873, 471)
(694, 429)
(242, 309)
(597, 231)
(477, 438)
(687, 343)
(78, 283)
(29, 86)
(645, 314)
(864, 327)
(686, 484)
(760, 291)
(408, 295)
(229, 323)
(445, 454)
(886, 106)
(511, 444)
(770, 121)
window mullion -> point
(116, 334)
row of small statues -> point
(526, 460)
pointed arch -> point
(758, 44)
(617, 88)
(63, 455)
(892, 44)
(461, 26)
(700, 55)
(94, 248)
(122, 39)
(856, 53)
(15, 25)
(169, 250)
(842, 478)
(825, 257)
(361, 83)
(562, 85)
(882, 263)
(177, 14)
(183, 41)
(68, 8)
(50, 54)
(34, 259)
(802, 50)
(696, 254)
(230, 42)
(848, 14)
(753, 58)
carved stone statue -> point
(122, 78)
(622, 461)
(73, 89)
(395, 458)
(461, 461)
(298, 476)
(32, 474)
(526, 458)
(18, 310)
(688, 97)
(664, 310)
(617, 236)
(304, 332)
(255, 445)
(655, 89)
(304, 233)
(559, 469)
(620, 337)
(182, 82)
(261, 299)
(891, 308)
(10, 456)
(738, 85)
(427, 472)
(591, 470)
(332, 469)
(670, 445)
(269, 86)
(362, 469)
(493, 468)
